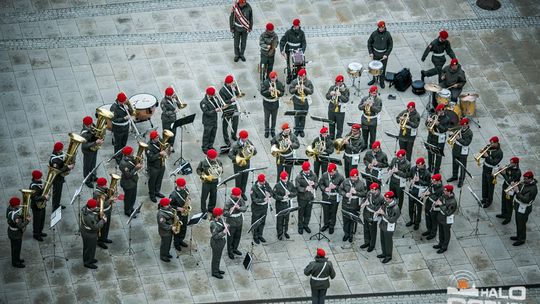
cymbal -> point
(469, 96)
(431, 87)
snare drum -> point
(452, 106)
(355, 69)
(443, 96)
(107, 107)
(375, 67)
(297, 57)
(145, 104)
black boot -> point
(423, 75)
(381, 81)
(266, 134)
(372, 81)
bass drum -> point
(454, 119)
(108, 108)
(145, 104)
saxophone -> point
(187, 205)
(177, 224)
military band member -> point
(370, 106)
(373, 202)
(38, 204)
(234, 213)
(16, 227)
(437, 137)
(353, 190)
(268, 43)
(453, 79)
(156, 165)
(420, 181)
(168, 113)
(492, 158)
(165, 220)
(306, 184)
(375, 161)
(525, 195)
(321, 271)
(446, 206)
(242, 148)
(209, 186)
(286, 140)
(180, 201)
(229, 116)
(388, 213)
(57, 161)
(240, 23)
(399, 170)
(89, 150)
(338, 97)
(91, 223)
(102, 190)
(407, 135)
(210, 106)
(329, 184)
(129, 167)
(354, 143)
(271, 90)
(460, 150)
(434, 192)
(217, 241)
(324, 145)
(283, 192)
(261, 195)
(380, 46)
(293, 39)
(120, 124)
(300, 88)
(438, 46)
(511, 176)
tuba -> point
(26, 193)
(482, 152)
(113, 185)
(164, 145)
(318, 149)
(176, 222)
(140, 152)
(431, 123)
(282, 147)
(339, 143)
(452, 140)
(179, 103)
(51, 175)
(75, 140)
(403, 120)
(101, 125)
(245, 155)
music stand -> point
(250, 256)
(433, 149)
(181, 123)
(370, 178)
(396, 137)
(331, 159)
(356, 219)
(224, 182)
(321, 119)
(129, 250)
(464, 178)
(56, 216)
(295, 113)
(286, 212)
(319, 235)
(410, 195)
(475, 231)
(194, 220)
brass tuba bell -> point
(113, 184)
(101, 125)
(27, 193)
(75, 140)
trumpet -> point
(27, 193)
(432, 121)
(245, 155)
(496, 173)
(452, 140)
(164, 145)
(512, 187)
(235, 84)
(367, 108)
(335, 99)
(339, 143)
(273, 90)
(482, 152)
(179, 103)
(100, 128)
(403, 120)
(301, 91)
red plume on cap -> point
(14, 201)
(283, 174)
(448, 188)
(284, 126)
(273, 74)
(58, 146)
(36, 174)
(494, 139)
(269, 26)
(229, 79)
(339, 78)
(401, 152)
(121, 97)
(127, 150)
(210, 91)
(436, 177)
(164, 202)
(323, 130)
(454, 61)
(528, 174)
(332, 167)
(236, 191)
(217, 211)
(243, 134)
(261, 178)
(464, 121)
(389, 194)
(356, 126)
(306, 165)
(411, 104)
(443, 34)
(302, 72)
(101, 181)
(439, 107)
(353, 172)
(154, 134)
(373, 88)
(180, 182)
(296, 22)
(420, 161)
(91, 203)
(321, 253)
(514, 160)
(376, 144)
(87, 120)
(169, 91)
(374, 186)
(381, 24)
(212, 154)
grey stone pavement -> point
(60, 59)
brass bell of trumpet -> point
(478, 156)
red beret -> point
(236, 191)
(323, 130)
(91, 203)
(121, 97)
(464, 121)
(353, 172)
(339, 78)
(164, 202)
(261, 178)
(87, 120)
(321, 252)
(420, 160)
(58, 146)
(454, 61)
(101, 181)
(494, 139)
(243, 134)
(273, 74)
(373, 88)
(269, 26)
(217, 211)
(283, 174)
(36, 174)
(401, 152)
(514, 160)
(528, 174)
(381, 24)
(302, 72)
(411, 104)
(284, 126)
(306, 165)
(212, 154)
(154, 134)
(436, 177)
(443, 34)
(356, 126)
(439, 107)
(374, 186)
(376, 144)
(448, 188)
(169, 91)
(210, 91)
(14, 201)
(127, 150)
(229, 79)
(389, 194)
(180, 182)
(296, 22)
(331, 167)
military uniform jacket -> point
(268, 39)
(258, 194)
(227, 93)
(217, 230)
(355, 145)
(301, 182)
(512, 174)
(293, 40)
(375, 201)
(36, 199)
(280, 190)
(168, 111)
(453, 77)
(165, 220)
(295, 144)
(439, 135)
(328, 145)
(380, 42)
(16, 223)
(153, 159)
(308, 90)
(343, 98)
(57, 161)
(325, 181)
(373, 111)
(424, 180)
(119, 121)
(204, 165)
(464, 141)
(352, 203)
(90, 221)
(248, 14)
(391, 215)
(87, 133)
(448, 207)
(526, 195)
(411, 126)
(129, 172)
(493, 158)
(107, 203)
(236, 149)
(208, 107)
(320, 271)
(235, 218)
(400, 177)
(436, 191)
(438, 48)
(382, 162)
(265, 90)
(178, 197)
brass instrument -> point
(140, 152)
(403, 120)
(511, 187)
(339, 143)
(367, 107)
(335, 99)
(273, 90)
(245, 154)
(177, 224)
(101, 201)
(496, 173)
(452, 140)
(26, 193)
(179, 103)
(482, 152)
(319, 148)
(100, 128)
(164, 145)
(235, 84)
(214, 172)
(51, 175)
(301, 91)
(432, 121)
(113, 185)
(282, 147)
(131, 109)
(187, 206)
(75, 140)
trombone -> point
(179, 103)
(235, 84)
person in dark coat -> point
(16, 226)
(210, 106)
(370, 106)
(38, 203)
(353, 190)
(168, 113)
(219, 231)
(460, 151)
(511, 176)
(373, 202)
(165, 221)
(338, 98)
(329, 184)
(453, 78)
(284, 191)
(380, 46)
(437, 138)
(399, 171)
(438, 46)
(91, 222)
(407, 135)
(89, 150)
(294, 39)
(420, 181)
(240, 23)
(354, 143)
(306, 184)
(523, 201)
(268, 43)
(120, 123)
(321, 271)
(261, 198)
(56, 161)
(129, 166)
(388, 214)
(234, 210)
(181, 202)
(492, 158)
(447, 205)
(155, 166)
(271, 90)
